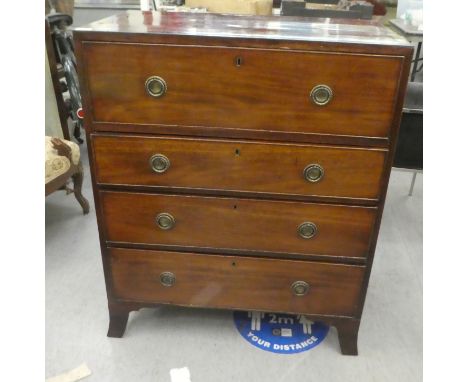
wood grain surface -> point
(269, 91)
(231, 223)
(239, 166)
(235, 282)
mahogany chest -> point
(240, 162)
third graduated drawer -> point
(237, 224)
(239, 166)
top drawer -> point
(240, 88)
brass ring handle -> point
(159, 163)
(155, 86)
(321, 95)
(313, 172)
(167, 279)
(300, 288)
(307, 230)
(165, 221)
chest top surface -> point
(248, 27)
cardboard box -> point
(238, 7)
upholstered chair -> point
(62, 162)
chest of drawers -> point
(240, 162)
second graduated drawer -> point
(244, 166)
(237, 224)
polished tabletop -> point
(265, 27)
(407, 27)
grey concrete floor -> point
(206, 341)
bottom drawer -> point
(234, 282)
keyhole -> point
(233, 264)
(239, 61)
(237, 152)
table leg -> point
(412, 184)
(416, 61)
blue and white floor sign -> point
(280, 333)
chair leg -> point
(77, 185)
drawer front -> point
(239, 88)
(235, 282)
(238, 224)
(240, 166)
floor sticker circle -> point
(280, 333)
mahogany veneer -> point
(235, 282)
(241, 166)
(207, 89)
(241, 224)
(240, 162)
